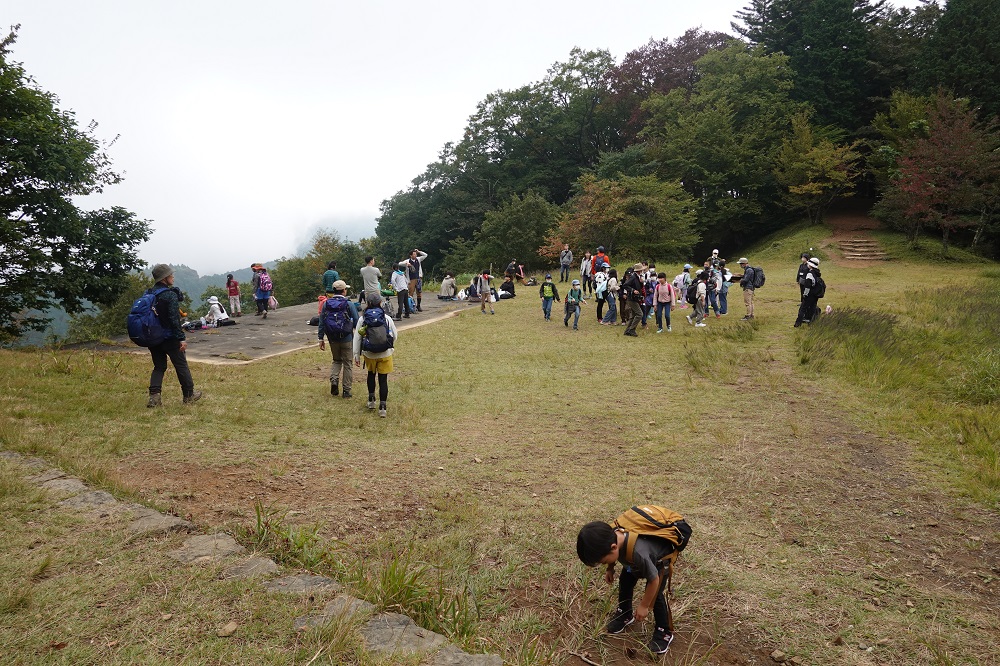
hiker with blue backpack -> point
(374, 339)
(337, 321)
(155, 323)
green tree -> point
(828, 49)
(515, 230)
(52, 253)
(813, 170)
(633, 215)
(720, 141)
(962, 53)
(299, 280)
(108, 321)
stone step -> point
(867, 257)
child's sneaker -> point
(669, 329)
(688, 317)
(659, 330)
(701, 325)
(381, 410)
(619, 621)
(371, 402)
(660, 642)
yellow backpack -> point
(655, 521)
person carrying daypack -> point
(374, 340)
(263, 292)
(161, 305)
(750, 281)
(681, 284)
(647, 540)
(813, 289)
(337, 321)
(548, 292)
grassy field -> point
(842, 481)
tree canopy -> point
(53, 253)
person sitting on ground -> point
(507, 287)
(216, 314)
(642, 556)
(448, 289)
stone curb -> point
(383, 634)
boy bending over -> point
(646, 540)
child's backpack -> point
(692, 293)
(377, 337)
(265, 282)
(143, 322)
(547, 289)
(820, 288)
(758, 277)
(679, 283)
(412, 303)
(337, 318)
(654, 521)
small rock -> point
(909, 604)
(253, 567)
(166, 616)
(440, 467)
(779, 656)
(862, 646)
(869, 607)
(798, 661)
(478, 460)
(228, 630)
(882, 642)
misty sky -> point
(245, 126)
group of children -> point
(655, 294)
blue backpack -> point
(143, 322)
(337, 318)
(377, 337)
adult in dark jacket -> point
(632, 293)
(809, 307)
(169, 312)
(800, 274)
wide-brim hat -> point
(340, 285)
(213, 300)
(162, 272)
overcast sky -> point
(245, 126)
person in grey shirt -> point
(370, 277)
(565, 261)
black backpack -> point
(758, 277)
(820, 288)
(692, 293)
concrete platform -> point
(285, 330)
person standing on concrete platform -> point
(370, 277)
(338, 319)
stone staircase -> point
(862, 249)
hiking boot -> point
(381, 410)
(347, 393)
(660, 642)
(566, 323)
(194, 396)
(371, 401)
(419, 309)
(154, 400)
(619, 621)
(334, 388)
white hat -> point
(814, 262)
(214, 300)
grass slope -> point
(841, 480)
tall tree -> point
(637, 216)
(659, 66)
(720, 141)
(826, 42)
(813, 169)
(962, 53)
(52, 253)
(948, 178)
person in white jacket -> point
(216, 313)
(402, 286)
(374, 340)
